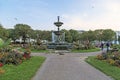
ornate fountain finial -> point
(58, 18)
(58, 23)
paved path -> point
(70, 66)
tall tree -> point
(74, 35)
(12, 34)
(68, 37)
(108, 35)
(23, 30)
(88, 35)
(3, 33)
(99, 34)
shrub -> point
(13, 57)
(27, 53)
(82, 46)
(111, 61)
(117, 63)
(1, 42)
(39, 47)
(2, 71)
(100, 57)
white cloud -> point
(109, 18)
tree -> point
(44, 35)
(68, 37)
(99, 34)
(23, 30)
(74, 35)
(3, 33)
(108, 35)
(12, 34)
(88, 35)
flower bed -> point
(112, 58)
(14, 57)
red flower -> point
(1, 64)
(27, 56)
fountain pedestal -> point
(58, 39)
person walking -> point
(102, 45)
(108, 46)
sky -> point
(75, 14)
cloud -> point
(77, 14)
(108, 17)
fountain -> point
(58, 38)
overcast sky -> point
(75, 14)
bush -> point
(2, 71)
(100, 57)
(111, 61)
(1, 42)
(117, 63)
(39, 47)
(116, 46)
(12, 58)
(78, 46)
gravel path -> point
(70, 66)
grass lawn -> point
(24, 71)
(34, 50)
(103, 66)
(83, 51)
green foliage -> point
(6, 43)
(13, 34)
(84, 51)
(23, 30)
(40, 51)
(68, 37)
(74, 34)
(24, 71)
(78, 46)
(108, 34)
(116, 46)
(1, 42)
(43, 35)
(13, 57)
(83, 46)
(105, 35)
(39, 47)
(87, 35)
(102, 56)
(3, 33)
(4, 47)
(2, 71)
